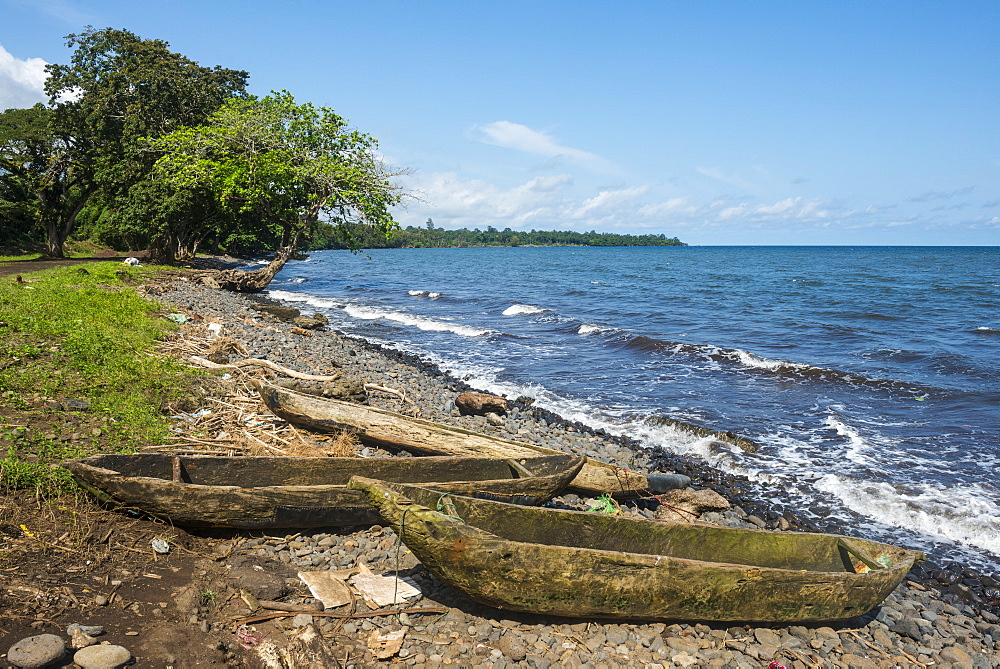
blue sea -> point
(868, 375)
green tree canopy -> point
(288, 166)
(26, 147)
(117, 90)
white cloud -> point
(21, 81)
(607, 203)
(475, 203)
(522, 138)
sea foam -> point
(420, 322)
(522, 310)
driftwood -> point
(243, 281)
(578, 564)
(282, 492)
(257, 362)
(386, 428)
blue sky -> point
(716, 122)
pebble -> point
(102, 657)
(922, 622)
(36, 651)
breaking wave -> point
(522, 310)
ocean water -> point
(870, 376)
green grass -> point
(25, 256)
(83, 336)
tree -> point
(26, 144)
(44, 186)
(117, 90)
(288, 165)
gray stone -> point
(279, 312)
(102, 657)
(684, 644)
(909, 628)
(512, 647)
(685, 659)
(36, 651)
(956, 655)
(767, 637)
(852, 660)
(301, 620)
(615, 636)
(92, 630)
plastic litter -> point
(178, 318)
(193, 416)
(160, 546)
(604, 504)
(383, 590)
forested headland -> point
(139, 147)
(429, 236)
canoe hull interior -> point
(579, 564)
(300, 492)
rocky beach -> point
(925, 622)
(940, 616)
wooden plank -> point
(379, 427)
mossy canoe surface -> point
(379, 427)
(300, 492)
(579, 564)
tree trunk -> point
(242, 281)
(53, 240)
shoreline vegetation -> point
(64, 398)
(328, 237)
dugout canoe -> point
(378, 427)
(584, 565)
(301, 492)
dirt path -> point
(28, 266)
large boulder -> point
(36, 651)
(278, 311)
(315, 322)
(686, 505)
(480, 404)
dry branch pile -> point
(234, 420)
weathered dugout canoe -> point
(379, 427)
(572, 563)
(299, 492)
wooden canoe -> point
(379, 427)
(578, 564)
(300, 492)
